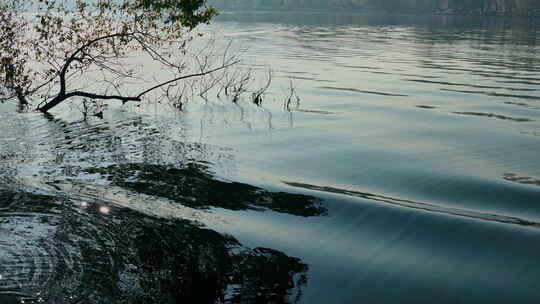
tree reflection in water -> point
(60, 246)
(194, 187)
(59, 251)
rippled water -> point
(413, 149)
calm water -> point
(408, 172)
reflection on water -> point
(57, 251)
(64, 238)
(194, 187)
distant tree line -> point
(510, 7)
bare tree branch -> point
(187, 76)
(85, 51)
(73, 58)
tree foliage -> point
(53, 50)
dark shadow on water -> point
(59, 251)
(195, 187)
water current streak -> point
(530, 97)
(498, 116)
(362, 91)
(421, 206)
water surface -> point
(413, 149)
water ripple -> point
(492, 115)
(363, 91)
(491, 217)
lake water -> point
(414, 143)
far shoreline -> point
(535, 14)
